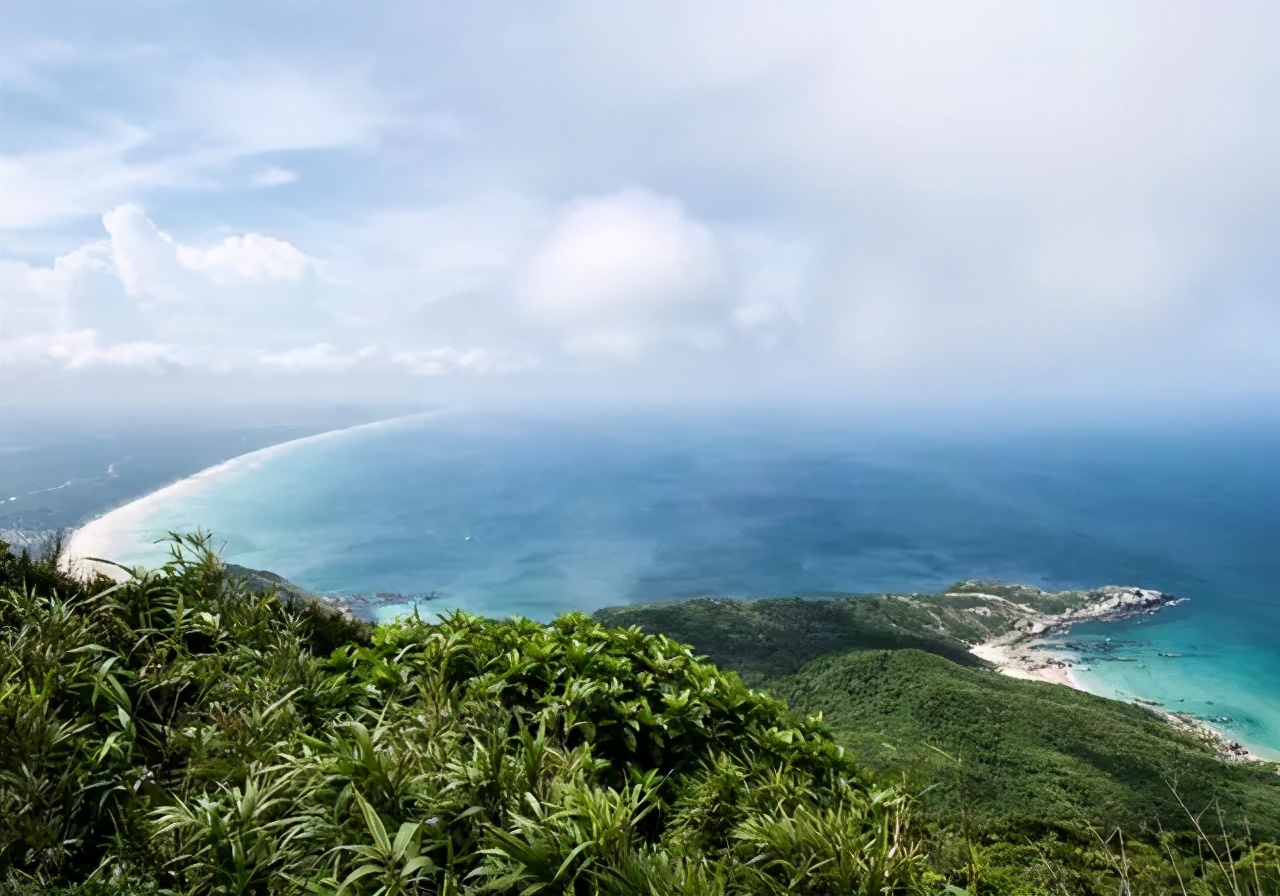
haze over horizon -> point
(917, 204)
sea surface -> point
(538, 515)
(59, 469)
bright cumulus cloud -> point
(619, 272)
(248, 257)
(919, 202)
(626, 252)
(150, 262)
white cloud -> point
(38, 299)
(889, 198)
(145, 258)
(86, 349)
(153, 266)
(83, 350)
(141, 299)
(618, 270)
(248, 257)
(983, 185)
(321, 356)
(272, 177)
(633, 250)
(446, 359)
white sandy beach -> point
(121, 533)
(1009, 661)
(124, 532)
(1011, 657)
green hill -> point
(203, 730)
(187, 731)
(1023, 768)
(1029, 756)
(763, 639)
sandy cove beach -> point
(1005, 654)
(1011, 654)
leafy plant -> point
(184, 733)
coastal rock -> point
(1028, 620)
(1025, 608)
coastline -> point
(118, 532)
(1000, 653)
(1011, 654)
(122, 533)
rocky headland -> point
(1027, 611)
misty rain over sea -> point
(538, 516)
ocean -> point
(540, 514)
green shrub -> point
(180, 732)
(183, 732)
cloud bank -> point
(920, 203)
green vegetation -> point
(180, 732)
(763, 639)
(1017, 780)
(1043, 759)
(201, 730)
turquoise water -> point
(540, 516)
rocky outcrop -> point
(1109, 604)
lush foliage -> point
(764, 639)
(194, 731)
(181, 733)
(1027, 787)
(1044, 760)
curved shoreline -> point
(1117, 604)
(1009, 653)
(120, 533)
(114, 534)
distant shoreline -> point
(117, 532)
(120, 532)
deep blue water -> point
(540, 516)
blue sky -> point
(912, 203)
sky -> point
(910, 204)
